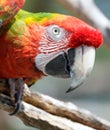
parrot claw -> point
(16, 93)
(17, 108)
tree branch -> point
(89, 12)
(38, 118)
(46, 113)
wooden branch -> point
(46, 113)
(38, 118)
(89, 12)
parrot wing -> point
(8, 9)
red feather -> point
(82, 32)
(17, 54)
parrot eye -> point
(55, 32)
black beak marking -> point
(60, 65)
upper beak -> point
(83, 65)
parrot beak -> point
(83, 65)
(74, 63)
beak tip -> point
(70, 89)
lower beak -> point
(83, 65)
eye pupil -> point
(56, 31)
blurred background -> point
(93, 95)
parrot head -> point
(67, 48)
(48, 44)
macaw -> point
(33, 45)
